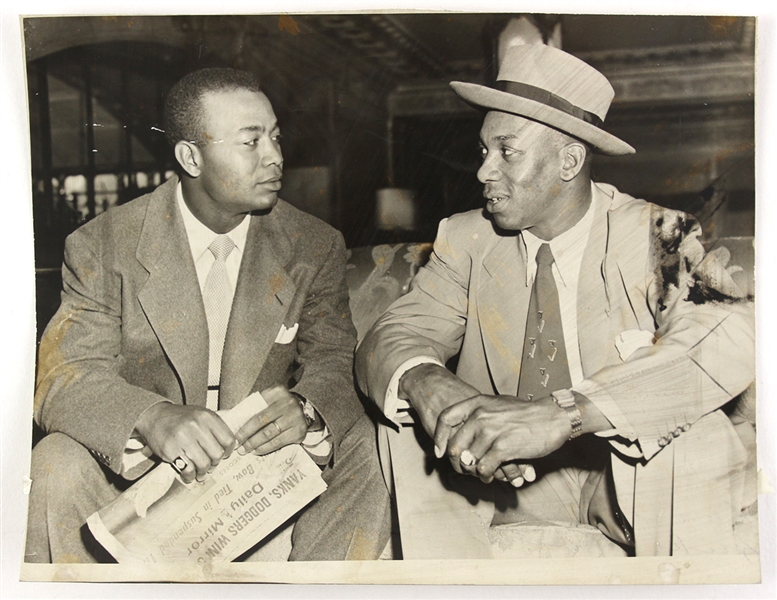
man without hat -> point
(188, 300)
(596, 341)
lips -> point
(494, 202)
(272, 183)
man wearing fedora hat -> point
(597, 342)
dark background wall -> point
(364, 103)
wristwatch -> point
(307, 409)
(566, 399)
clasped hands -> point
(203, 440)
(482, 435)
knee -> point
(358, 451)
(361, 440)
(59, 462)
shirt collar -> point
(201, 236)
(567, 248)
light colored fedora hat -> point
(550, 86)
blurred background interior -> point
(375, 142)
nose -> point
(271, 153)
(488, 171)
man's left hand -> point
(499, 429)
(280, 424)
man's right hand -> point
(431, 389)
(196, 434)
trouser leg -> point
(351, 520)
(68, 485)
(557, 494)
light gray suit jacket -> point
(131, 329)
(644, 270)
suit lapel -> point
(503, 301)
(170, 297)
(594, 310)
(262, 298)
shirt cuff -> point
(622, 436)
(318, 444)
(135, 452)
(395, 408)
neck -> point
(571, 205)
(205, 209)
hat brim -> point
(489, 98)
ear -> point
(189, 157)
(573, 160)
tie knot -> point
(221, 247)
(544, 256)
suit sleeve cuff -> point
(396, 408)
(622, 435)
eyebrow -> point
(257, 128)
(501, 138)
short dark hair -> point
(183, 118)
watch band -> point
(307, 409)
(566, 399)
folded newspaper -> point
(244, 499)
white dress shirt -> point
(201, 237)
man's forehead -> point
(239, 110)
(235, 99)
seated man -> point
(172, 307)
(596, 342)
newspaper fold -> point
(161, 519)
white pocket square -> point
(632, 340)
(286, 336)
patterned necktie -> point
(217, 296)
(544, 367)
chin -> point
(265, 203)
(505, 223)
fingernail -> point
(517, 482)
(242, 451)
(529, 474)
(438, 452)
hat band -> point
(531, 92)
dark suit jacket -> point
(132, 330)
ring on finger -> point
(277, 428)
(467, 459)
(179, 464)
